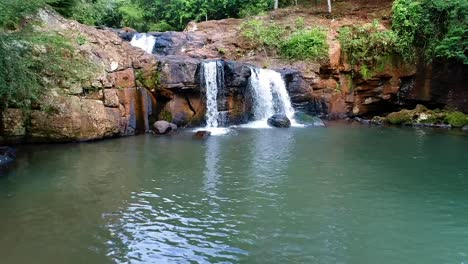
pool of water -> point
(302, 195)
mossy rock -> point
(401, 118)
(166, 116)
(456, 119)
(422, 115)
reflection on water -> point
(335, 195)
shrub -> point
(367, 45)
(456, 119)
(31, 62)
(261, 35)
(435, 28)
(306, 44)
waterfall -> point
(144, 41)
(213, 75)
(269, 96)
(210, 70)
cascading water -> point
(144, 41)
(210, 70)
(213, 76)
(269, 96)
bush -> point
(96, 12)
(261, 35)
(367, 45)
(432, 28)
(456, 119)
(306, 44)
(31, 62)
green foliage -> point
(81, 40)
(263, 35)
(456, 119)
(300, 44)
(166, 116)
(299, 23)
(306, 44)
(432, 29)
(12, 11)
(252, 9)
(148, 80)
(95, 12)
(161, 27)
(32, 62)
(367, 46)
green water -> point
(307, 195)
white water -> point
(144, 41)
(269, 97)
(210, 70)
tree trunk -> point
(329, 6)
(276, 4)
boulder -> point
(279, 120)
(173, 127)
(7, 157)
(163, 127)
(202, 134)
(465, 128)
(308, 120)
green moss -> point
(166, 115)
(150, 81)
(400, 118)
(456, 119)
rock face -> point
(279, 120)
(109, 104)
(131, 89)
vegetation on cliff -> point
(292, 43)
(32, 60)
(433, 29)
(368, 46)
(421, 29)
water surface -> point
(302, 195)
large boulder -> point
(279, 120)
(163, 127)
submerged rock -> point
(308, 120)
(7, 157)
(163, 127)
(202, 134)
(279, 120)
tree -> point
(329, 6)
(276, 4)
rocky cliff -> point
(109, 104)
(131, 89)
